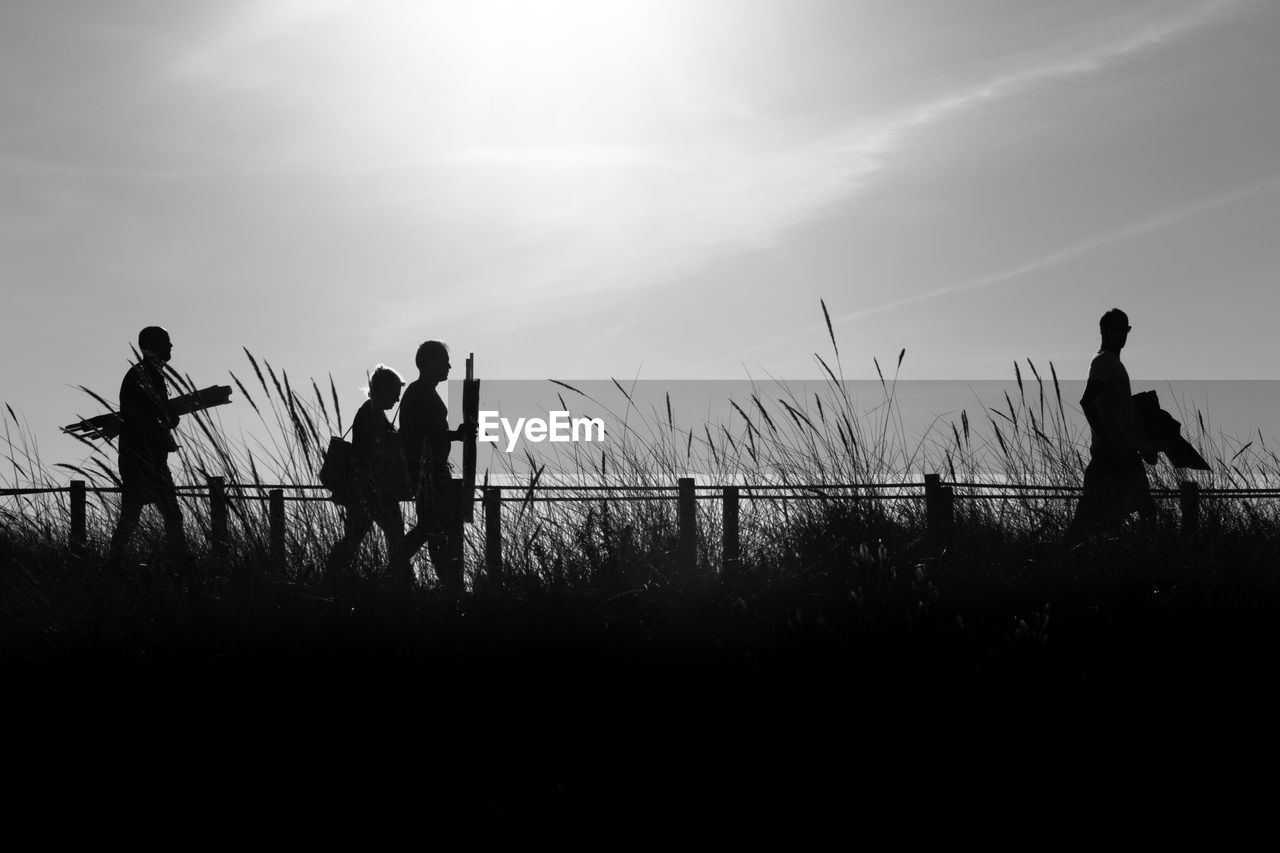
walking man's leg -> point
(440, 527)
(175, 536)
(446, 555)
(130, 514)
(415, 537)
(391, 520)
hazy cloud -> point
(1055, 258)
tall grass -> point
(822, 570)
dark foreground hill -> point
(839, 667)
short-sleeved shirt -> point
(424, 432)
(145, 418)
(1116, 414)
(146, 433)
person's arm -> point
(1124, 418)
(1116, 427)
(1095, 390)
(1132, 423)
(464, 430)
(1089, 403)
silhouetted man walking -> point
(1115, 482)
(424, 430)
(146, 440)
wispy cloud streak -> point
(1144, 227)
(1060, 256)
(840, 163)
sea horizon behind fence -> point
(709, 429)
(910, 424)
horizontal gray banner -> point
(715, 428)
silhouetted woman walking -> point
(381, 481)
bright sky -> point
(595, 188)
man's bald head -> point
(155, 340)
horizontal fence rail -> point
(939, 497)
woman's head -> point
(384, 386)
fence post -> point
(1189, 499)
(79, 525)
(939, 504)
(218, 516)
(275, 514)
(493, 534)
(731, 559)
(687, 514)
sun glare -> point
(548, 72)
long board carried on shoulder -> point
(106, 427)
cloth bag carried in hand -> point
(1165, 434)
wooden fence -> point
(939, 498)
